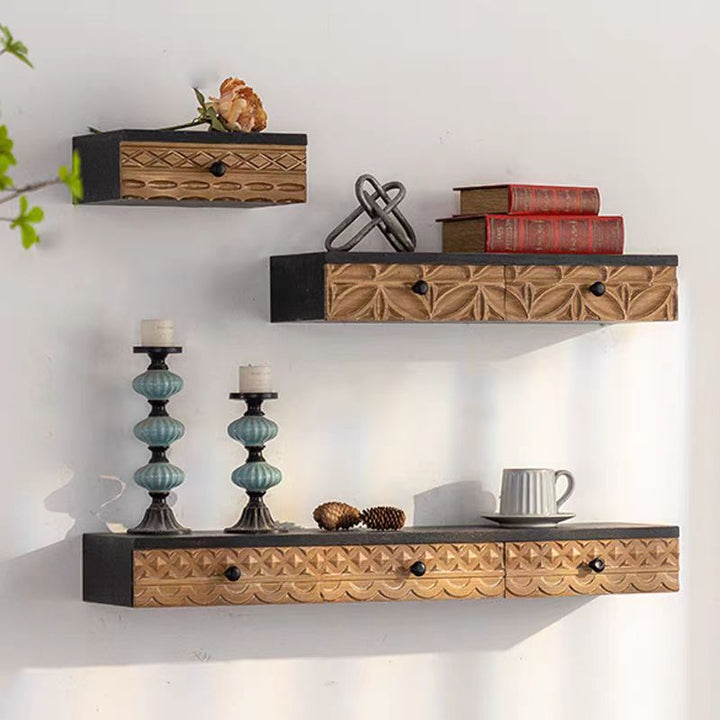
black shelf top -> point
(412, 258)
(410, 535)
(202, 136)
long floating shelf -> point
(472, 287)
(423, 563)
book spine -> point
(537, 234)
(537, 200)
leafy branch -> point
(27, 217)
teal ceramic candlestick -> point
(256, 476)
(158, 431)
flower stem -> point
(31, 187)
(197, 121)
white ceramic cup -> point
(533, 491)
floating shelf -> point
(423, 563)
(472, 287)
(155, 167)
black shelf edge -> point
(411, 535)
(337, 257)
(202, 136)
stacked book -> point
(532, 219)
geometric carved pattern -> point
(381, 292)
(562, 293)
(548, 569)
(181, 171)
(329, 573)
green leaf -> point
(72, 178)
(35, 215)
(23, 205)
(200, 98)
(215, 122)
(6, 145)
(13, 47)
(29, 236)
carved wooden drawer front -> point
(184, 171)
(145, 167)
(378, 292)
(537, 569)
(590, 293)
(330, 573)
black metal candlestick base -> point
(255, 518)
(159, 519)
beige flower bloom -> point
(239, 107)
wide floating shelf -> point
(422, 563)
(155, 167)
(472, 287)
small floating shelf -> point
(472, 287)
(155, 167)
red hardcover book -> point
(529, 200)
(579, 234)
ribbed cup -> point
(528, 492)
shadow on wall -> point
(48, 625)
(458, 503)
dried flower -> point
(239, 107)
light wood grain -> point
(181, 171)
(276, 575)
(557, 568)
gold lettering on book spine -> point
(555, 568)
(276, 575)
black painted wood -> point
(107, 570)
(297, 282)
(100, 160)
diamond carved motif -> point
(561, 567)
(317, 574)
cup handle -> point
(570, 485)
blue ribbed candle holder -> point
(256, 476)
(158, 431)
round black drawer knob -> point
(418, 568)
(420, 287)
(218, 169)
(233, 573)
(597, 289)
(597, 565)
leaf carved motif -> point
(562, 293)
(536, 569)
(273, 575)
(382, 292)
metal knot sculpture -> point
(382, 209)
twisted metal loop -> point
(386, 217)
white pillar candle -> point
(157, 333)
(255, 379)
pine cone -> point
(383, 518)
(336, 516)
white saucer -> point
(529, 520)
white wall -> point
(616, 94)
